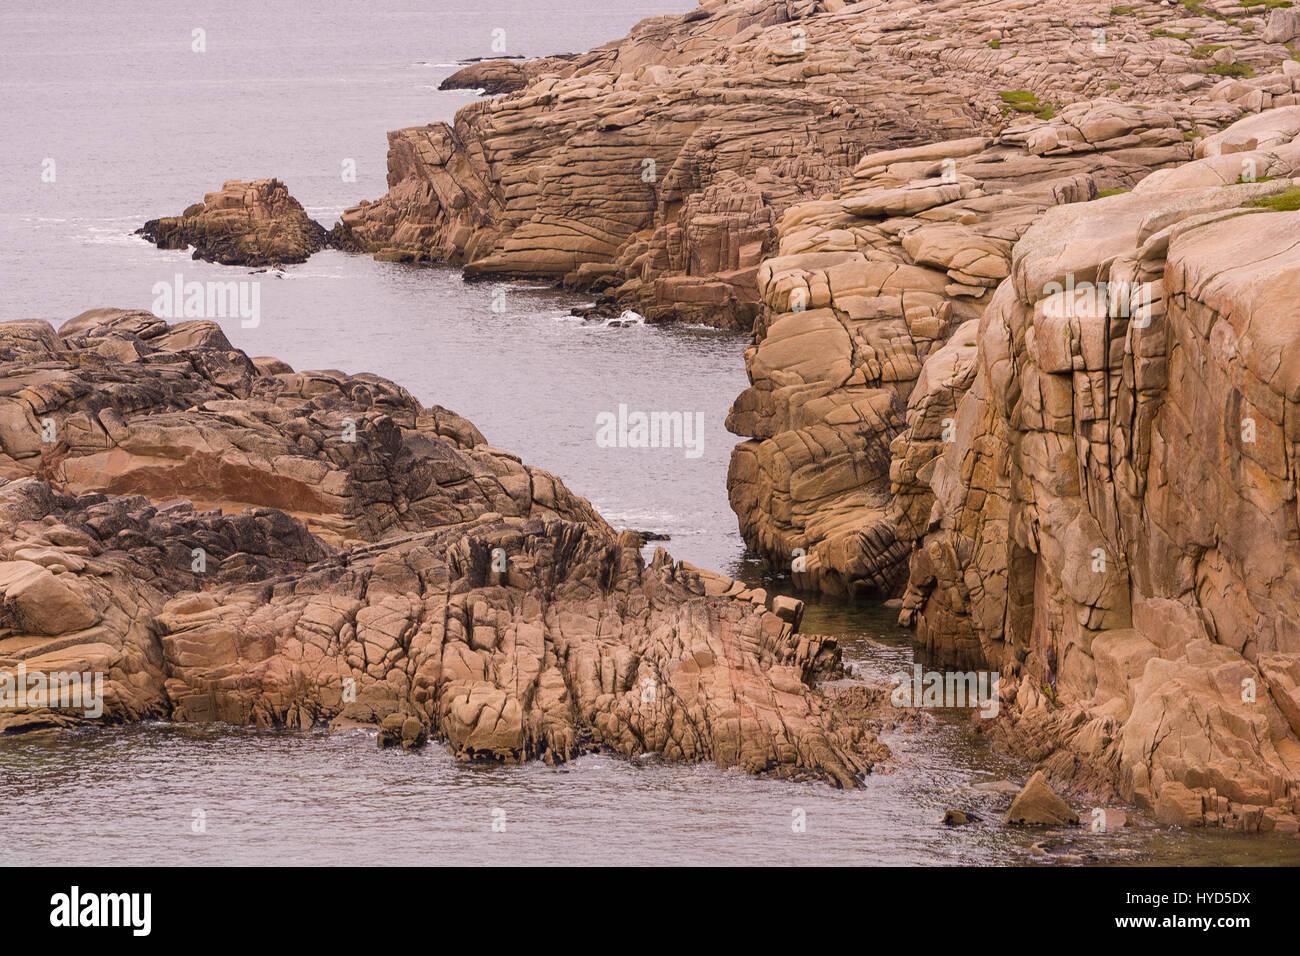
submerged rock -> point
(493, 77)
(401, 730)
(253, 223)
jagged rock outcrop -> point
(120, 402)
(1115, 526)
(869, 330)
(654, 169)
(1038, 805)
(493, 77)
(459, 593)
(254, 223)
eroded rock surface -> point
(254, 223)
(122, 403)
(451, 591)
(654, 169)
(870, 323)
(1115, 522)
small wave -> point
(699, 327)
(103, 235)
(624, 319)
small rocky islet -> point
(1019, 280)
(254, 223)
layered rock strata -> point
(869, 328)
(654, 169)
(120, 402)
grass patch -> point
(1288, 201)
(1113, 191)
(1015, 98)
(1174, 34)
(995, 44)
(1121, 11)
(1024, 101)
(1232, 69)
(1205, 50)
(1268, 5)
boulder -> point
(1038, 805)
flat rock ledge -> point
(226, 539)
(253, 223)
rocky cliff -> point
(1115, 517)
(878, 290)
(654, 169)
(869, 306)
(1011, 376)
(223, 538)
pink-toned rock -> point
(337, 557)
(253, 223)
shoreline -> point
(922, 424)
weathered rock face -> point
(253, 223)
(869, 330)
(460, 593)
(1115, 521)
(655, 168)
(576, 646)
(658, 163)
(123, 403)
(493, 77)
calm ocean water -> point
(135, 125)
